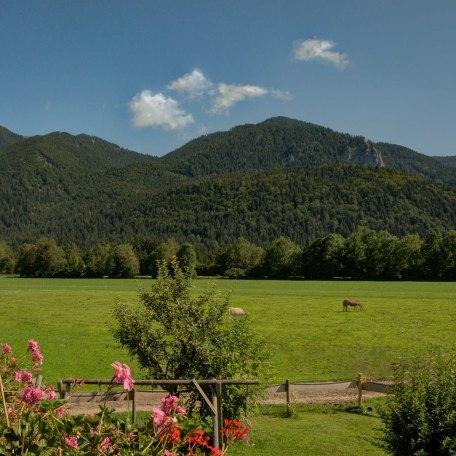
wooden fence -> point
(214, 403)
(356, 386)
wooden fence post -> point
(215, 422)
(360, 381)
(132, 396)
(287, 389)
(218, 392)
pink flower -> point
(6, 348)
(13, 360)
(71, 441)
(37, 357)
(171, 405)
(123, 375)
(23, 376)
(159, 416)
(31, 395)
(33, 346)
(50, 393)
(106, 445)
(60, 412)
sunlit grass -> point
(307, 335)
(316, 431)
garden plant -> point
(34, 422)
(420, 418)
(176, 335)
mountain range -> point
(278, 177)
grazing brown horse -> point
(346, 303)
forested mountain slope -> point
(280, 177)
(447, 161)
(7, 137)
(301, 203)
(282, 142)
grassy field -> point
(312, 431)
(305, 331)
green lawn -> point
(306, 333)
(313, 431)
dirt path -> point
(145, 401)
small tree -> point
(420, 419)
(176, 335)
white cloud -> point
(281, 94)
(320, 50)
(229, 94)
(194, 84)
(157, 110)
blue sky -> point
(151, 75)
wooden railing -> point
(214, 403)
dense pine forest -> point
(279, 179)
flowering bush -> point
(34, 422)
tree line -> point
(363, 255)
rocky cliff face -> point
(365, 154)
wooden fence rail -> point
(214, 402)
(358, 385)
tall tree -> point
(74, 264)
(7, 260)
(186, 256)
(323, 258)
(42, 259)
(241, 257)
(125, 264)
(281, 258)
(98, 261)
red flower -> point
(174, 436)
(233, 431)
(197, 438)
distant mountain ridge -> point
(281, 142)
(278, 177)
(7, 137)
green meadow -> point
(307, 335)
(313, 431)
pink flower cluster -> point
(123, 375)
(170, 406)
(165, 416)
(31, 395)
(23, 376)
(37, 357)
(71, 441)
(7, 349)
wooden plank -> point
(203, 394)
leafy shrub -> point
(177, 335)
(420, 419)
